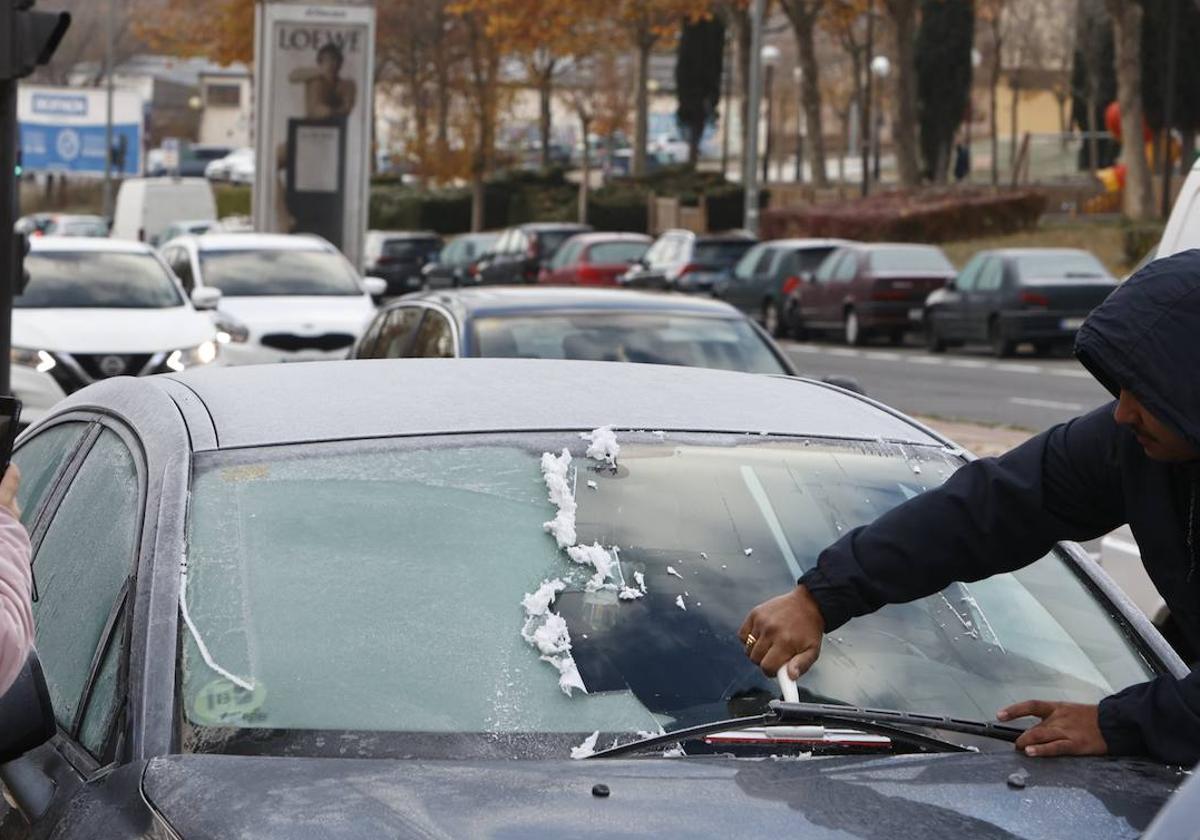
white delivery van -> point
(147, 206)
(1183, 227)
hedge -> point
(930, 216)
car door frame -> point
(979, 304)
(456, 332)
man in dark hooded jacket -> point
(1135, 461)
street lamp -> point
(798, 77)
(880, 68)
(770, 57)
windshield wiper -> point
(875, 721)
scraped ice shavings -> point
(596, 556)
(679, 603)
(548, 632)
(602, 445)
(593, 485)
(671, 571)
(538, 603)
(748, 551)
(587, 748)
(555, 470)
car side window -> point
(969, 276)
(744, 269)
(763, 266)
(181, 264)
(81, 566)
(39, 460)
(435, 339)
(370, 337)
(397, 332)
(519, 242)
(825, 271)
(991, 276)
(847, 267)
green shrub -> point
(232, 199)
(1137, 238)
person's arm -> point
(16, 616)
(1160, 718)
(993, 515)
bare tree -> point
(903, 15)
(803, 16)
(85, 41)
(1127, 37)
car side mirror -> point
(27, 713)
(205, 297)
(846, 383)
(376, 287)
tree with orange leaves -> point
(221, 30)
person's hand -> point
(786, 631)
(8, 490)
(1066, 728)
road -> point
(1025, 391)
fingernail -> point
(1001, 716)
(1031, 751)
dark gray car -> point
(684, 261)
(321, 601)
(457, 264)
(522, 251)
(1009, 296)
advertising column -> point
(313, 72)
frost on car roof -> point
(267, 404)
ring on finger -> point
(750, 641)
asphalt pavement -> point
(1025, 392)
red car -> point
(864, 290)
(594, 259)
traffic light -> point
(28, 38)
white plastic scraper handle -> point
(791, 694)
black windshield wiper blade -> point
(886, 723)
(855, 716)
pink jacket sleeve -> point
(16, 616)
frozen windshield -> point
(97, 279)
(1059, 264)
(410, 589)
(725, 343)
(245, 273)
(911, 258)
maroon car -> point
(864, 290)
(594, 259)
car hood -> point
(929, 796)
(110, 330)
(318, 313)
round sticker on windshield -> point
(221, 703)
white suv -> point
(97, 308)
(283, 298)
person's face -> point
(1160, 441)
(329, 65)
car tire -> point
(1002, 347)
(934, 343)
(773, 321)
(852, 331)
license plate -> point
(915, 314)
(1072, 323)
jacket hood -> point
(1144, 338)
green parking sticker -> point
(221, 703)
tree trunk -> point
(545, 104)
(1014, 90)
(1127, 37)
(1093, 142)
(585, 180)
(904, 124)
(477, 199)
(1187, 151)
(993, 123)
(804, 25)
(641, 126)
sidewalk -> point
(980, 440)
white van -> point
(147, 206)
(1183, 227)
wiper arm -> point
(878, 722)
(861, 718)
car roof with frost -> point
(261, 405)
(473, 301)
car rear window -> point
(910, 259)
(1059, 265)
(408, 249)
(549, 241)
(720, 254)
(617, 252)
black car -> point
(684, 261)
(598, 325)
(457, 264)
(1009, 296)
(400, 257)
(264, 613)
(521, 252)
(195, 158)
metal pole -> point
(770, 97)
(8, 212)
(750, 153)
(865, 127)
(108, 109)
(1169, 105)
(800, 121)
(727, 113)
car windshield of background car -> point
(411, 249)
(720, 254)
(549, 241)
(668, 339)
(616, 253)
(246, 273)
(1063, 265)
(911, 260)
(412, 584)
(83, 279)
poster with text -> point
(314, 66)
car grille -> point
(290, 342)
(76, 370)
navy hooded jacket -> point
(1076, 481)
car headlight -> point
(230, 330)
(39, 360)
(201, 354)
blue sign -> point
(79, 148)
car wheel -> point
(852, 330)
(934, 343)
(1002, 347)
(772, 322)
